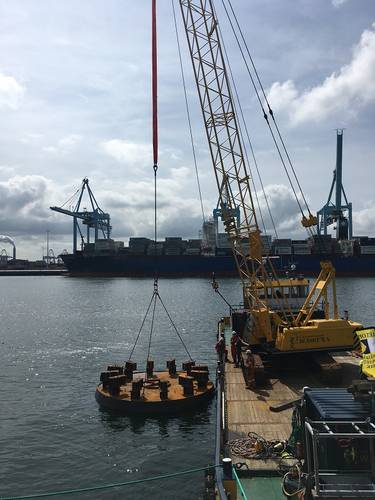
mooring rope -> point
(257, 447)
(72, 491)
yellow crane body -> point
(322, 334)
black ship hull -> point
(82, 264)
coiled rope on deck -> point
(108, 486)
(257, 447)
(293, 473)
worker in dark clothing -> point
(221, 348)
(239, 344)
(249, 365)
(233, 342)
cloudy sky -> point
(75, 102)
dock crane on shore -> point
(95, 219)
(335, 212)
(283, 330)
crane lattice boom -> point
(232, 174)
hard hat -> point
(248, 351)
(234, 332)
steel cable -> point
(175, 327)
(250, 145)
(71, 198)
(151, 329)
(268, 104)
(140, 330)
(155, 294)
(188, 110)
(240, 129)
(264, 111)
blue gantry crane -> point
(94, 219)
(223, 213)
(335, 212)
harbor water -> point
(59, 333)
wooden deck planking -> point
(277, 391)
(269, 432)
(258, 412)
(235, 377)
(258, 464)
(249, 411)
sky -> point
(75, 100)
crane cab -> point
(283, 294)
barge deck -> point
(250, 410)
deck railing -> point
(329, 481)
(219, 432)
(239, 484)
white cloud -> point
(287, 216)
(99, 82)
(128, 152)
(25, 214)
(7, 239)
(364, 221)
(6, 170)
(282, 95)
(24, 207)
(64, 145)
(344, 92)
(22, 193)
(31, 138)
(69, 140)
(338, 3)
(139, 194)
(11, 92)
(50, 149)
(132, 206)
(284, 210)
(62, 41)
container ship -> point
(178, 257)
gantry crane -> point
(95, 219)
(281, 329)
(336, 212)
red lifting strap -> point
(154, 86)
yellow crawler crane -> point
(273, 321)
(328, 333)
(301, 330)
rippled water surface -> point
(58, 334)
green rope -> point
(239, 484)
(108, 486)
